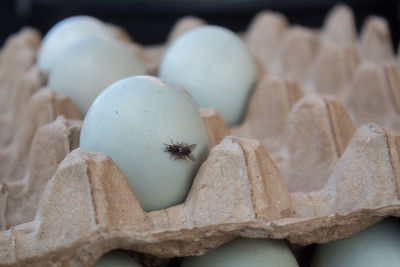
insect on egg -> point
(180, 150)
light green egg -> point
(87, 67)
(376, 246)
(116, 258)
(246, 252)
(133, 121)
(214, 65)
(64, 34)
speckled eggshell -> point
(246, 252)
(376, 246)
(116, 258)
(87, 67)
(64, 34)
(215, 66)
(131, 121)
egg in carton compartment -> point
(87, 208)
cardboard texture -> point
(299, 166)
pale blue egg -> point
(133, 121)
(377, 246)
(116, 258)
(90, 65)
(214, 65)
(64, 34)
(246, 252)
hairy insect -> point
(180, 150)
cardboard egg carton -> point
(306, 174)
(25, 108)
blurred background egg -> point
(65, 33)
(90, 65)
(133, 121)
(213, 64)
(116, 258)
(378, 245)
(246, 252)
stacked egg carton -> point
(307, 175)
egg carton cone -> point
(296, 167)
(19, 79)
(26, 106)
(339, 28)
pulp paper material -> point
(302, 166)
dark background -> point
(150, 21)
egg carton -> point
(310, 178)
(25, 107)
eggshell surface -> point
(378, 245)
(215, 67)
(64, 34)
(132, 121)
(89, 66)
(116, 258)
(246, 252)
